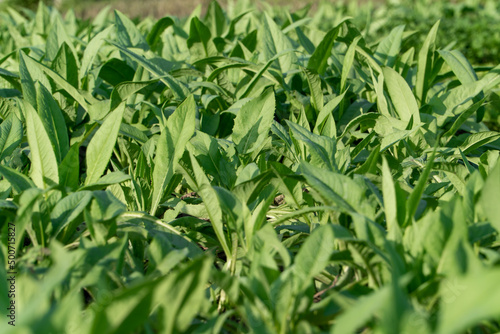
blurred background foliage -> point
(472, 26)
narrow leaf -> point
(171, 145)
(101, 146)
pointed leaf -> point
(11, 134)
(253, 122)
(127, 33)
(459, 65)
(53, 121)
(44, 168)
(171, 146)
(101, 146)
(401, 96)
(319, 58)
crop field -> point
(250, 170)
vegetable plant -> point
(245, 171)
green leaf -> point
(314, 82)
(30, 73)
(18, 181)
(171, 145)
(101, 146)
(333, 188)
(347, 64)
(357, 314)
(125, 89)
(66, 65)
(477, 140)
(158, 69)
(209, 152)
(489, 197)
(390, 202)
(44, 167)
(236, 214)
(261, 73)
(314, 255)
(253, 122)
(401, 96)
(274, 42)
(389, 48)
(133, 132)
(319, 58)
(116, 71)
(200, 42)
(11, 134)
(127, 33)
(322, 149)
(390, 131)
(57, 37)
(198, 181)
(107, 180)
(463, 117)
(154, 36)
(127, 310)
(325, 123)
(39, 69)
(215, 18)
(69, 169)
(458, 294)
(105, 206)
(68, 209)
(53, 121)
(183, 294)
(92, 50)
(459, 65)
(424, 65)
(416, 194)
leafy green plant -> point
(244, 172)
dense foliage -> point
(245, 171)
(471, 26)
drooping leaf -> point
(18, 181)
(159, 70)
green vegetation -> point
(246, 171)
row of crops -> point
(245, 170)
